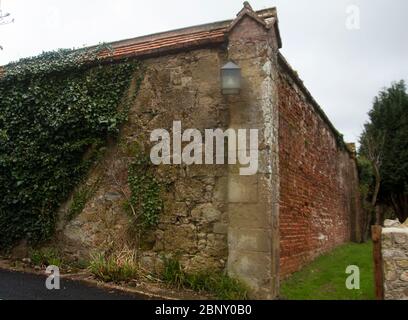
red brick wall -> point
(315, 202)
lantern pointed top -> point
(230, 65)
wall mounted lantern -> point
(231, 79)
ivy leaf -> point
(49, 111)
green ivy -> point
(145, 202)
(53, 109)
(79, 200)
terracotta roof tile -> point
(181, 39)
(166, 43)
(192, 37)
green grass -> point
(325, 278)
(216, 283)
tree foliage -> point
(53, 109)
(385, 143)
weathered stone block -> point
(243, 189)
(113, 196)
(221, 190)
(391, 275)
(191, 190)
(147, 262)
(253, 266)
(206, 213)
(248, 215)
(258, 240)
(402, 263)
(400, 238)
(404, 276)
(180, 238)
(220, 228)
(217, 246)
(386, 241)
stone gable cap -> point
(247, 11)
(266, 18)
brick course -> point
(315, 215)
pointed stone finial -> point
(246, 11)
(247, 6)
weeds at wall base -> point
(114, 268)
(217, 283)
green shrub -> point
(217, 283)
(113, 268)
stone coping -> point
(395, 230)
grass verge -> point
(325, 278)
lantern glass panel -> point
(231, 78)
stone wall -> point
(395, 261)
(302, 201)
(213, 217)
(182, 87)
(319, 183)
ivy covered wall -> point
(56, 111)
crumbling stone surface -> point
(193, 226)
(395, 260)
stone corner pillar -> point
(253, 201)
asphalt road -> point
(22, 286)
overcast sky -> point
(344, 69)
